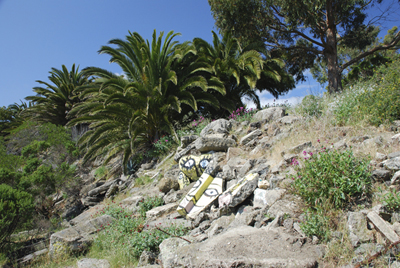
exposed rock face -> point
(243, 246)
(166, 184)
(206, 144)
(270, 114)
(77, 238)
(220, 126)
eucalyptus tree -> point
(128, 113)
(303, 31)
(53, 102)
(244, 71)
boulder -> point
(242, 246)
(298, 148)
(186, 140)
(220, 126)
(392, 164)
(160, 211)
(206, 144)
(357, 225)
(166, 184)
(381, 175)
(77, 238)
(264, 198)
(270, 114)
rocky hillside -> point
(268, 220)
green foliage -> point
(126, 237)
(8, 161)
(100, 172)
(53, 102)
(242, 114)
(281, 24)
(149, 203)
(316, 223)
(381, 103)
(34, 148)
(31, 165)
(161, 146)
(392, 200)
(332, 176)
(16, 208)
(311, 105)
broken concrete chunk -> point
(239, 192)
(264, 198)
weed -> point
(392, 201)
(149, 203)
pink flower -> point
(304, 152)
(318, 140)
(166, 140)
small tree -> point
(16, 208)
(303, 31)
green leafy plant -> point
(161, 146)
(100, 172)
(311, 105)
(392, 200)
(149, 203)
(332, 176)
(242, 114)
(16, 208)
(316, 223)
(126, 236)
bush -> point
(316, 223)
(242, 114)
(149, 203)
(332, 176)
(16, 208)
(310, 106)
(392, 200)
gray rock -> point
(274, 181)
(77, 238)
(173, 196)
(146, 258)
(297, 149)
(160, 211)
(246, 168)
(219, 225)
(251, 136)
(186, 140)
(269, 114)
(392, 163)
(340, 145)
(93, 263)
(288, 120)
(359, 139)
(165, 223)
(285, 206)
(357, 225)
(28, 258)
(87, 215)
(205, 144)
(228, 173)
(243, 246)
(381, 175)
(182, 152)
(395, 178)
(132, 201)
(166, 184)
(103, 188)
(264, 198)
(394, 155)
(220, 126)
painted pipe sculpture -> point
(191, 168)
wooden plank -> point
(383, 227)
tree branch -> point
(395, 40)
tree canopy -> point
(303, 31)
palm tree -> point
(53, 102)
(243, 71)
(127, 113)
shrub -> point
(34, 148)
(242, 114)
(392, 201)
(316, 223)
(310, 106)
(161, 146)
(332, 176)
(149, 203)
(126, 238)
(16, 208)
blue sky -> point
(38, 35)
